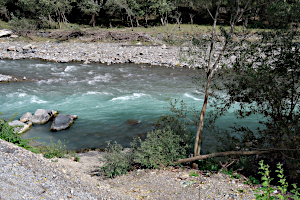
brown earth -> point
(168, 183)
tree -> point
(61, 8)
(163, 8)
(3, 9)
(213, 64)
(92, 8)
(265, 81)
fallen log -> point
(220, 154)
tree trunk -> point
(222, 154)
(210, 71)
(192, 18)
(93, 21)
(131, 22)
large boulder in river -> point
(62, 122)
(20, 127)
(42, 116)
(26, 117)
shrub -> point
(22, 25)
(267, 189)
(161, 148)
(117, 161)
(54, 150)
(7, 133)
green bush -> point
(57, 150)
(23, 24)
(161, 148)
(7, 133)
(117, 162)
(267, 189)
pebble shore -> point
(25, 175)
(109, 53)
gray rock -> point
(42, 116)
(5, 33)
(62, 122)
(11, 48)
(26, 117)
(27, 47)
(20, 127)
(186, 49)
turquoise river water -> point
(104, 98)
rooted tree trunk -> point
(93, 21)
(211, 69)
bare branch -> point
(222, 154)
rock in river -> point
(20, 127)
(62, 122)
(42, 116)
(26, 117)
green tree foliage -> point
(278, 13)
(92, 8)
(264, 81)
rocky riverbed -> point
(94, 52)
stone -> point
(14, 36)
(26, 117)
(27, 47)
(163, 46)
(186, 49)
(42, 116)
(20, 127)
(11, 48)
(132, 122)
(62, 122)
(5, 33)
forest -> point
(51, 14)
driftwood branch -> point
(221, 154)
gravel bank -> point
(109, 53)
(25, 175)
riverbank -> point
(94, 52)
(25, 175)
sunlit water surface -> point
(104, 98)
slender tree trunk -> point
(210, 71)
(192, 18)
(93, 21)
(131, 22)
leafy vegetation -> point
(55, 13)
(8, 134)
(161, 148)
(266, 191)
(117, 161)
(52, 150)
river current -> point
(104, 98)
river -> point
(104, 98)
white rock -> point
(5, 32)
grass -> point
(57, 149)
(169, 33)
